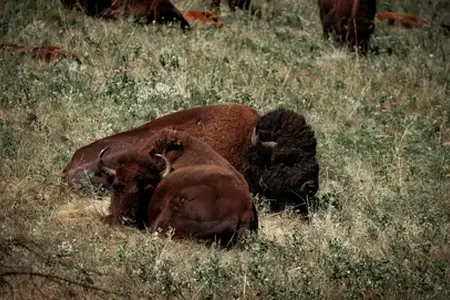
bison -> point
(207, 17)
(225, 127)
(47, 53)
(176, 181)
(351, 22)
(275, 152)
(158, 11)
(402, 19)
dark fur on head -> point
(287, 172)
(132, 187)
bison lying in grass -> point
(276, 152)
(192, 189)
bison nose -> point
(309, 187)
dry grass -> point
(381, 229)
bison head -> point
(280, 162)
(133, 181)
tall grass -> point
(381, 230)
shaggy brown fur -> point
(287, 172)
(159, 11)
(351, 21)
(47, 53)
(203, 196)
(402, 19)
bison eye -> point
(149, 188)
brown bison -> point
(47, 53)
(225, 127)
(402, 19)
(158, 11)
(205, 18)
(275, 152)
(351, 21)
(176, 181)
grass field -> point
(381, 230)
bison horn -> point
(168, 167)
(102, 167)
(269, 144)
(255, 140)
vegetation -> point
(381, 230)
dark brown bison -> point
(351, 22)
(158, 11)
(275, 152)
(47, 53)
(176, 181)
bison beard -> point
(285, 170)
(351, 21)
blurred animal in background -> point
(203, 18)
(154, 11)
(47, 53)
(402, 19)
(350, 21)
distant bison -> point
(402, 19)
(47, 53)
(158, 11)
(205, 18)
(275, 152)
(351, 22)
(176, 181)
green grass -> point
(381, 231)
